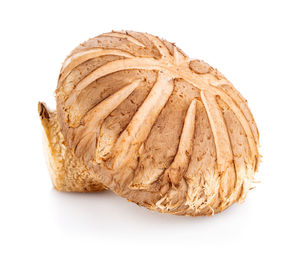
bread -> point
(139, 117)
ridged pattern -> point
(118, 96)
(68, 173)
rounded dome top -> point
(158, 128)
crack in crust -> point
(155, 160)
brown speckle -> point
(199, 66)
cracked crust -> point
(164, 131)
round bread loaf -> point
(137, 116)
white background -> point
(254, 43)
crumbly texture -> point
(164, 131)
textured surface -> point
(161, 130)
(67, 172)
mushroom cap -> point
(164, 131)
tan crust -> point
(139, 117)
